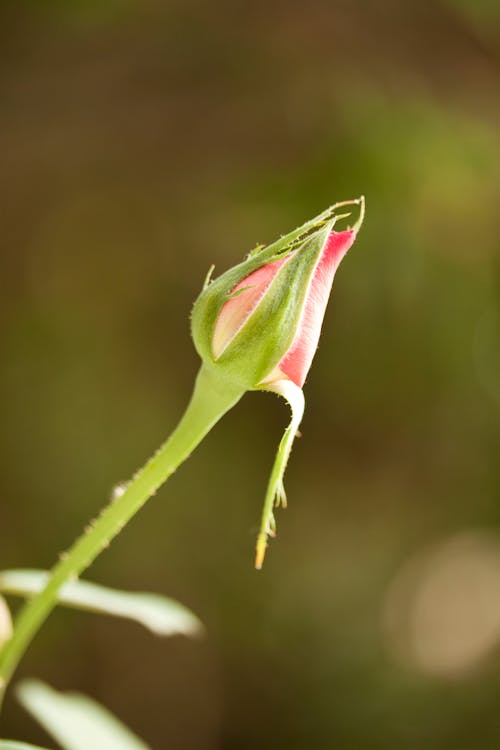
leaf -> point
(75, 721)
(13, 745)
(161, 615)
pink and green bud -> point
(249, 293)
(258, 325)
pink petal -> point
(235, 312)
(297, 361)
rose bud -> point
(258, 325)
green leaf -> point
(159, 614)
(13, 745)
(75, 721)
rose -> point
(258, 325)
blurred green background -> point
(142, 142)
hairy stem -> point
(209, 402)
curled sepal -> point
(275, 494)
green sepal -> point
(275, 494)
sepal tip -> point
(260, 551)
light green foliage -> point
(161, 615)
(75, 721)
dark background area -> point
(143, 141)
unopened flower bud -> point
(258, 325)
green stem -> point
(209, 402)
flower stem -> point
(211, 399)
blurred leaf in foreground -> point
(75, 721)
(161, 615)
(5, 622)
